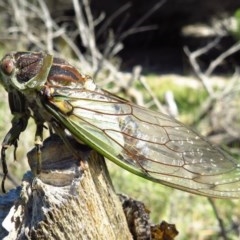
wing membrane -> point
(149, 144)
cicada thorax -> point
(28, 65)
(62, 74)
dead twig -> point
(223, 232)
(193, 58)
(233, 49)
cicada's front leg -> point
(21, 115)
(19, 124)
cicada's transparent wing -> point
(147, 143)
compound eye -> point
(7, 66)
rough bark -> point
(64, 202)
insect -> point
(147, 143)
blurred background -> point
(180, 57)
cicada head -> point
(7, 70)
(24, 70)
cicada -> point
(144, 142)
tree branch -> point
(64, 202)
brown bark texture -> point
(64, 201)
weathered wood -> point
(64, 202)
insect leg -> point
(4, 166)
(38, 144)
(19, 124)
